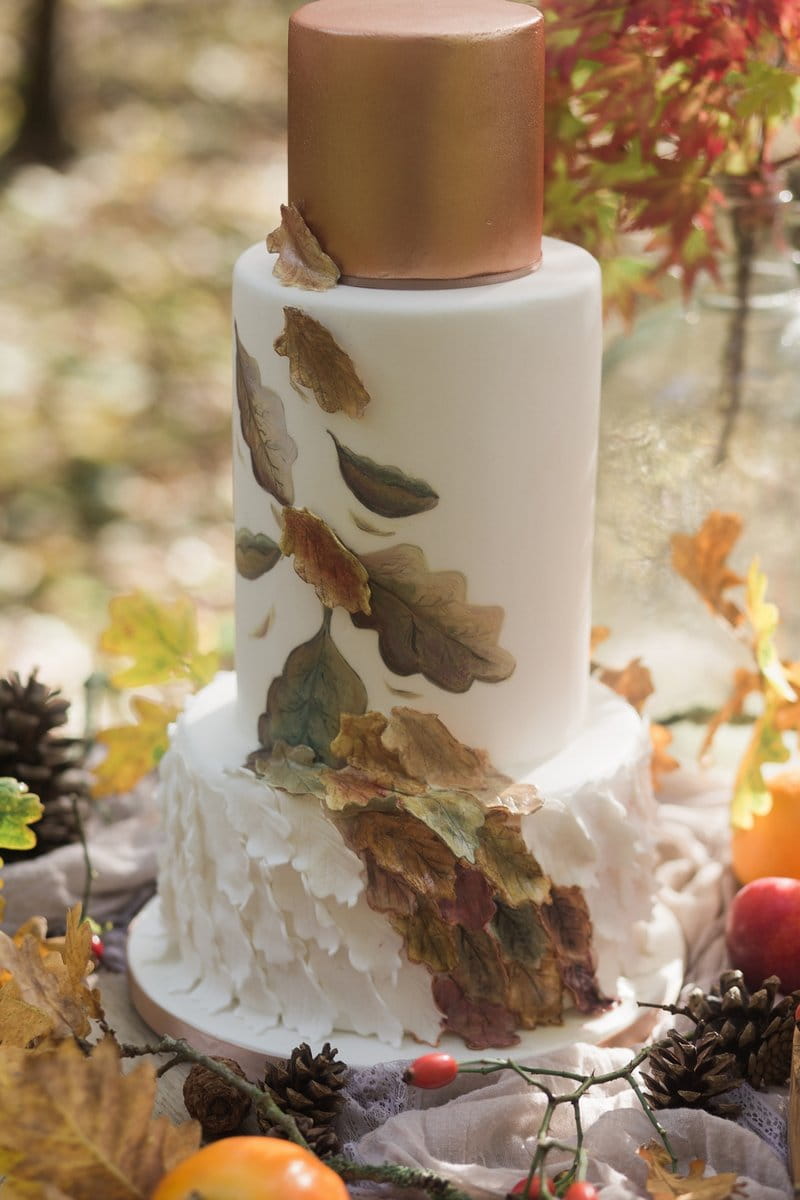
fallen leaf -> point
(661, 762)
(263, 422)
(384, 490)
(317, 362)
(95, 1133)
(133, 750)
(664, 1184)
(764, 618)
(633, 682)
(255, 554)
(424, 624)
(19, 808)
(301, 260)
(482, 1026)
(54, 983)
(162, 640)
(701, 559)
(21, 1023)
(566, 918)
(321, 560)
(305, 703)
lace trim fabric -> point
(765, 1114)
(371, 1097)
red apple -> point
(763, 931)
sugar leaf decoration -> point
(263, 422)
(384, 490)
(255, 554)
(321, 560)
(301, 261)
(319, 364)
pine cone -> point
(692, 1074)
(307, 1088)
(216, 1104)
(51, 766)
(750, 1025)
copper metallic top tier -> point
(415, 137)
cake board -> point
(160, 987)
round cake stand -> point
(160, 987)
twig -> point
(402, 1177)
(735, 343)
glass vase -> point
(701, 411)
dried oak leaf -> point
(263, 421)
(305, 702)
(301, 260)
(425, 626)
(317, 362)
(19, 808)
(54, 981)
(482, 1026)
(384, 490)
(321, 560)
(661, 761)
(80, 1126)
(400, 844)
(566, 918)
(161, 638)
(701, 559)
(663, 1184)
(633, 682)
(134, 749)
(507, 863)
(20, 1023)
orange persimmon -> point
(251, 1168)
(772, 846)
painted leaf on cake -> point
(507, 863)
(455, 816)
(473, 906)
(567, 921)
(482, 1026)
(293, 768)
(404, 846)
(701, 559)
(384, 490)
(255, 554)
(19, 809)
(425, 626)
(133, 750)
(305, 702)
(161, 638)
(301, 260)
(263, 422)
(318, 364)
(321, 560)
(368, 527)
(102, 1139)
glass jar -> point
(701, 411)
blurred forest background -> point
(141, 150)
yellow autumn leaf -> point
(664, 1184)
(764, 617)
(751, 797)
(161, 639)
(133, 750)
(21, 1023)
(95, 1135)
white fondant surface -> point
(264, 904)
(488, 394)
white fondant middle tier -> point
(485, 399)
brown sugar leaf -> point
(54, 983)
(480, 969)
(383, 489)
(662, 761)
(301, 260)
(360, 743)
(400, 844)
(663, 1184)
(321, 560)
(482, 1026)
(473, 906)
(317, 362)
(425, 626)
(566, 918)
(456, 817)
(96, 1134)
(536, 995)
(507, 863)
(387, 892)
(428, 939)
(701, 559)
(263, 421)
(350, 788)
(633, 682)
(430, 754)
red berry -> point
(532, 1192)
(432, 1071)
(580, 1190)
(98, 947)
